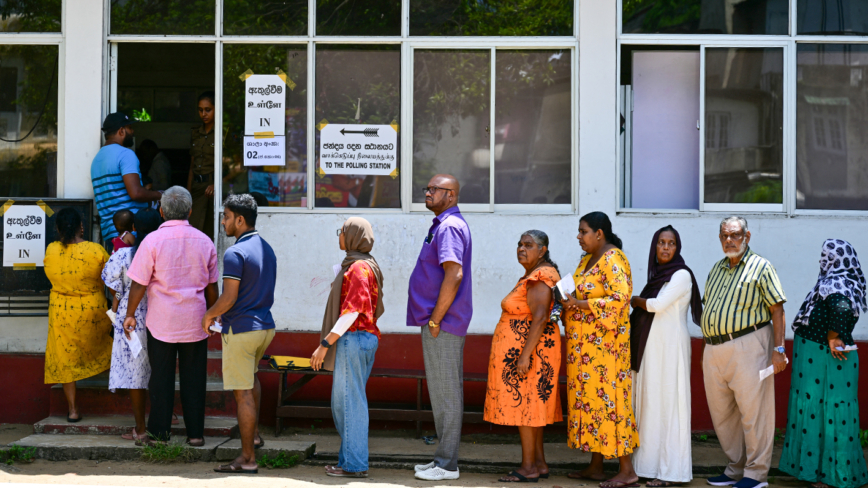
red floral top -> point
(359, 293)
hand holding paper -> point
(763, 374)
(133, 343)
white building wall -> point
(307, 248)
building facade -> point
(654, 112)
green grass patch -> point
(281, 461)
(166, 453)
(18, 454)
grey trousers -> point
(444, 369)
(742, 408)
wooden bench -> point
(288, 409)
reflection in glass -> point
(265, 17)
(28, 121)
(358, 85)
(706, 16)
(743, 125)
(491, 18)
(282, 186)
(358, 17)
(833, 17)
(451, 116)
(831, 123)
(167, 17)
(30, 15)
(532, 127)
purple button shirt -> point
(448, 240)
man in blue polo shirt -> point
(249, 275)
(116, 177)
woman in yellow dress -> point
(79, 345)
(599, 380)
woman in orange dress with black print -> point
(599, 379)
(526, 358)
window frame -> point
(408, 44)
(789, 43)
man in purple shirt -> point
(441, 304)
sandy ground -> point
(126, 474)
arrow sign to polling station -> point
(356, 149)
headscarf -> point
(359, 240)
(840, 272)
(658, 275)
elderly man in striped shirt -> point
(743, 296)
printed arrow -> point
(366, 132)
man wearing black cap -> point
(116, 177)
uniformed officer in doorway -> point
(201, 179)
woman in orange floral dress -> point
(526, 358)
(599, 380)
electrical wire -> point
(44, 104)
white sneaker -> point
(437, 474)
(425, 467)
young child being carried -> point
(123, 220)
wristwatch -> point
(324, 343)
(432, 324)
(780, 349)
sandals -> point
(340, 473)
(619, 484)
(133, 435)
(72, 420)
(235, 469)
(519, 478)
(261, 442)
(196, 443)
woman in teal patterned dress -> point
(822, 441)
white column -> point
(82, 94)
(597, 106)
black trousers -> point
(192, 360)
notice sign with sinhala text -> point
(264, 121)
(353, 149)
(24, 236)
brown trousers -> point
(202, 217)
(742, 408)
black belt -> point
(717, 340)
(203, 178)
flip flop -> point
(340, 473)
(133, 435)
(72, 420)
(196, 444)
(261, 442)
(544, 476)
(234, 469)
(521, 478)
(620, 484)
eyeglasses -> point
(735, 237)
(339, 232)
(433, 189)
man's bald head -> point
(443, 193)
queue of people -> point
(628, 393)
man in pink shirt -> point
(177, 266)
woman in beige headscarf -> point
(349, 341)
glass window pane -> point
(833, 17)
(167, 17)
(358, 85)
(744, 125)
(28, 121)
(265, 17)
(831, 120)
(358, 17)
(532, 127)
(30, 15)
(451, 117)
(705, 17)
(282, 186)
(491, 18)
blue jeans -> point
(354, 359)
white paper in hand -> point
(770, 370)
(216, 327)
(134, 343)
(112, 315)
(846, 348)
(566, 286)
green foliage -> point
(265, 17)
(193, 17)
(358, 17)
(863, 437)
(19, 454)
(491, 17)
(280, 461)
(141, 115)
(30, 15)
(769, 191)
(663, 15)
(165, 453)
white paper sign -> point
(270, 151)
(265, 105)
(133, 343)
(352, 149)
(24, 236)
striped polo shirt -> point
(107, 171)
(737, 298)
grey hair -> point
(734, 218)
(541, 239)
(176, 203)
